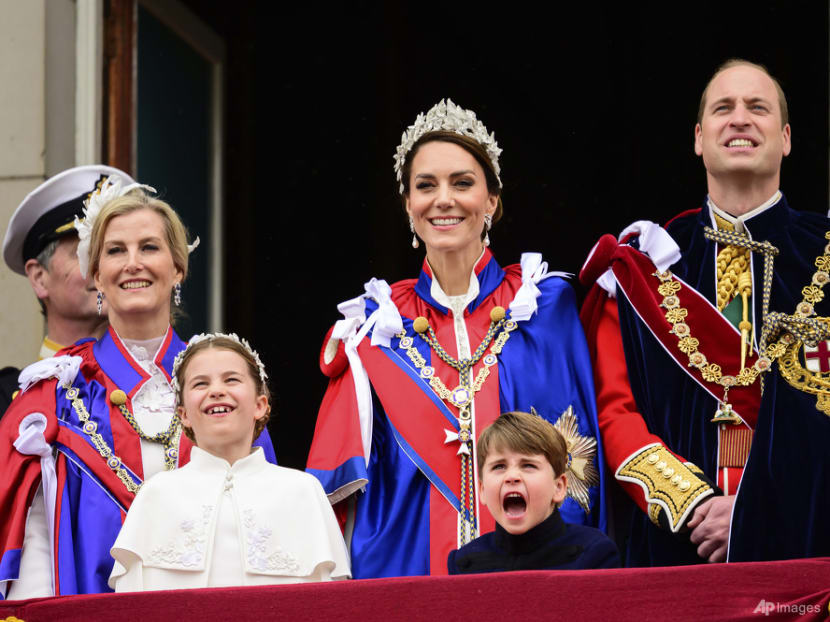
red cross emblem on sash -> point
(817, 359)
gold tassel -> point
(745, 289)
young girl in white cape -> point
(228, 517)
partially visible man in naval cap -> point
(41, 244)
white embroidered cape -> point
(210, 524)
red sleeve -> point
(623, 429)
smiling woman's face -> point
(136, 271)
(448, 198)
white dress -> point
(210, 524)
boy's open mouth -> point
(514, 504)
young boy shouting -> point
(521, 474)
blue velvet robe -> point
(782, 507)
(405, 520)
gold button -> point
(653, 458)
(667, 473)
(118, 397)
(684, 486)
(497, 314)
(660, 465)
(676, 480)
(420, 325)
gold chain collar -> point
(712, 372)
(169, 439)
(461, 397)
(90, 428)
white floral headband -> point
(211, 337)
(110, 189)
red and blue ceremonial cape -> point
(91, 500)
(783, 499)
(406, 515)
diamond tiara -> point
(210, 337)
(445, 115)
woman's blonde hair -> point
(174, 230)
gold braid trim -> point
(671, 486)
(732, 262)
(693, 468)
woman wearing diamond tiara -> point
(96, 422)
(419, 368)
(209, 524)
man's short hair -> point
(523, 433)
(737, 62)
(44, 258)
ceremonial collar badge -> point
(811, 334)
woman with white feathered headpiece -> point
(95, 422)
(418, 369)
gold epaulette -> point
(671, 486)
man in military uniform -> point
(697, 334)
(40, 244)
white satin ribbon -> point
(534, 271)
(655, 242)
(64, 368)
(32, 442)
(386, 322)
(354, 314)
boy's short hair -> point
(523, 433)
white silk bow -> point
(655, 242)
(385, 322)
(64, 368)
(534, 270)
